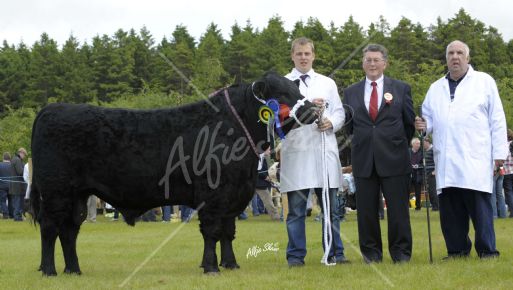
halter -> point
(251, 142)
(276, 109)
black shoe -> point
(339, 260)
(455, 256)
(485, 256)
(308, 212)
(296, 264)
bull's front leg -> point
(211, 231)
(48, 237)
(228, 260)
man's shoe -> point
(487, 256)
(296, 264)
(339, 260)
(455, 256)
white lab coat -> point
(468, 133)
(301, 154)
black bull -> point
(197, 154)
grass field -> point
(167, 256)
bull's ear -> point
(260, 88)
(297, 82)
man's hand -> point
(324, 125)
(499, 163)
(420, 124)
(319, 102)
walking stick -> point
(424, 184)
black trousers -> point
(457, 207)
(396, 192)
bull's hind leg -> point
(211, 230)
(228, 235)
(68, 233)
(48, 237)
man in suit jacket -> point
(381, 120)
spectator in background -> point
(17, 187)
(167, 211)
(91, 208)
(417, 171)
(186, 213)
(5, 173)
(263, 184)
(430, 173)
(508, 175)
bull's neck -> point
(247, 107)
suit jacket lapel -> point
(387, 88)
(361, 98)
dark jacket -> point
(17, 186)
(383, 143)
(5, 172)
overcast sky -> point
(25, 20)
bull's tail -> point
(35, 203)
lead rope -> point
(327, 236)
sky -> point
(26, 20)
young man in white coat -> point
(464, 112)
(301, 155)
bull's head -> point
(293, 109)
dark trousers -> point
(418, 197)
(396, 192)
(433, 196)
(457, 206)
(507, 184)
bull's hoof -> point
(49, 273)
(211, 270)
(72, 272)
(230, 266)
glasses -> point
(372, 60)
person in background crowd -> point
(263, 184)
(430, 173)
(91, 208)
(464, 112)
(17, 187)
(508, 175)
(417, 171)
(5, 173)
(382, 124)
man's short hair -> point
(22, 150)
(7, 156)
(376, 48)
(465, 47)
(510, 135)
(302, 41)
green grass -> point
(110, 252)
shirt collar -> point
(296, 74)
(378, 81)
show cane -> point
(424, 184)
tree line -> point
(129, 66)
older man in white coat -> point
(301, 155)
(464, 112)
